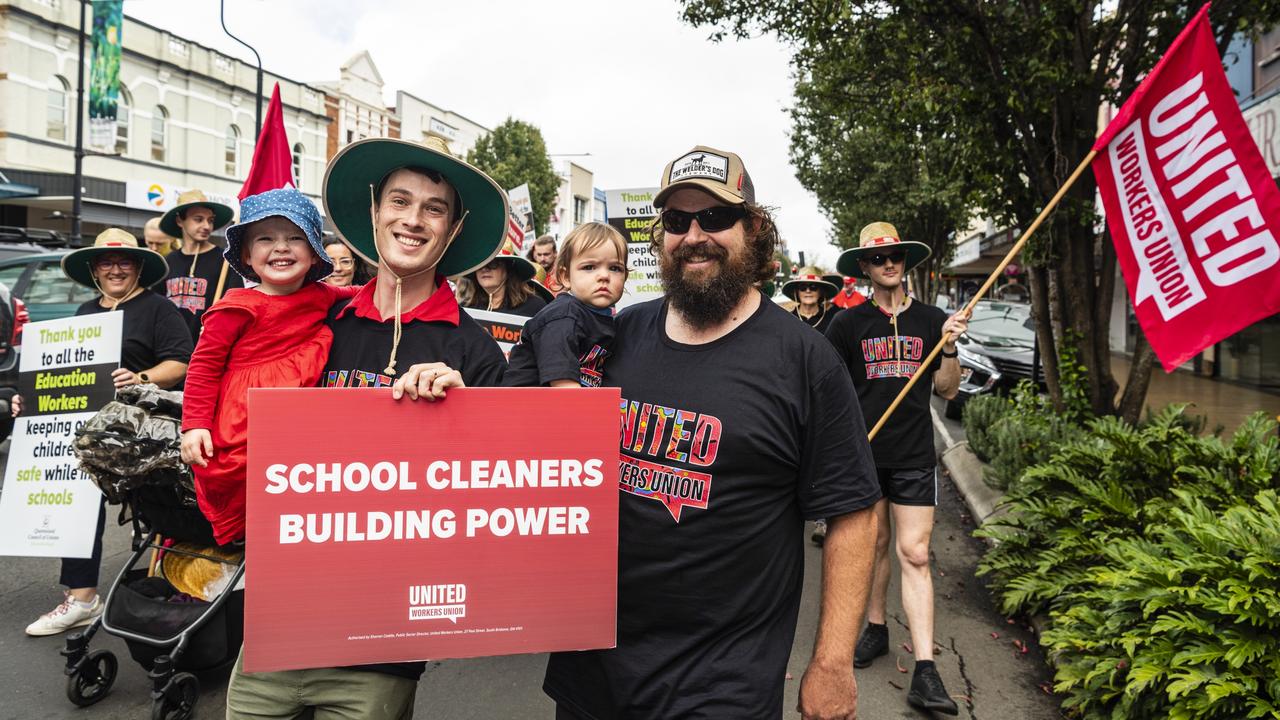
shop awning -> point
(17, 190)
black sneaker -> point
(873, 643)
(819, 532)
(928, 692)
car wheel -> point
(954, 409)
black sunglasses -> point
(879, 259)
(808, 288)
(712, 219)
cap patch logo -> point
(700, 165)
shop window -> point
(298, 151)
(159, 132)
(56, 123)
(232, 150)
(124, 103)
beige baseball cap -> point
(714, 171)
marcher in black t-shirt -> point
(883, 342)
(197, 269)
(501, 285)
(155, 348)
(403, 329)
(735, 428)
(812, 293)
(567, 342)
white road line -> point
(941, 426)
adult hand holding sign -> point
(428, 381)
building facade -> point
(186, 120)
(420, 120)
(575, 201)
(355, 107)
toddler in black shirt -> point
(566, 343)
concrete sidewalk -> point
(1221, 402)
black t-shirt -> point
(154, 331)
(864, 338)
(726, 448)
(821, 321)
(530, 307)
(567, 340)
(191, 289)
(362, 347)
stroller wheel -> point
(178, 702)
(93, 679)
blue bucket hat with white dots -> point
(291, 205)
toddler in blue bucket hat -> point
(271, 335)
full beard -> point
(706, 303)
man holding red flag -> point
(1192, 210)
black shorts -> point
(910, 486)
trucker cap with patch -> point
(715, 171)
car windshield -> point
(1002, 325)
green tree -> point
(514, 154)
(1017, 88)
(893, 163)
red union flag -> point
(1193, 212)
(272, 166)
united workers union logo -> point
(155, 195)
(438, 602)
(669, 438)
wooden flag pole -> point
(968, 309)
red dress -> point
(250, 339)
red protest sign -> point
(384, 531)
(1192, 209)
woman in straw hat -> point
(156, 347)
(502, 285)
(812, 293)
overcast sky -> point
(626, 82)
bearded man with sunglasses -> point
(735, 428)
(883, 342)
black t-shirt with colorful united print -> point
(192, 281)
(362, 347)
(881, 359)
(566, 340)
(726, 447)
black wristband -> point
(946, 354)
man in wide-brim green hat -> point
(420, 214)
(359, 172)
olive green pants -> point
(322, 694)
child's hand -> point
(197, 444)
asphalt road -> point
(979, 658)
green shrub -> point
(980, 414)
(1156, 554)
(1011, 434)
(1184, 623)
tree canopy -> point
(997, 103)
(514, 154)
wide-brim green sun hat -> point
(360, 167)
(222, 214)
(78, 264)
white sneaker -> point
(66, 616)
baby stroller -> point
(130, 450)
